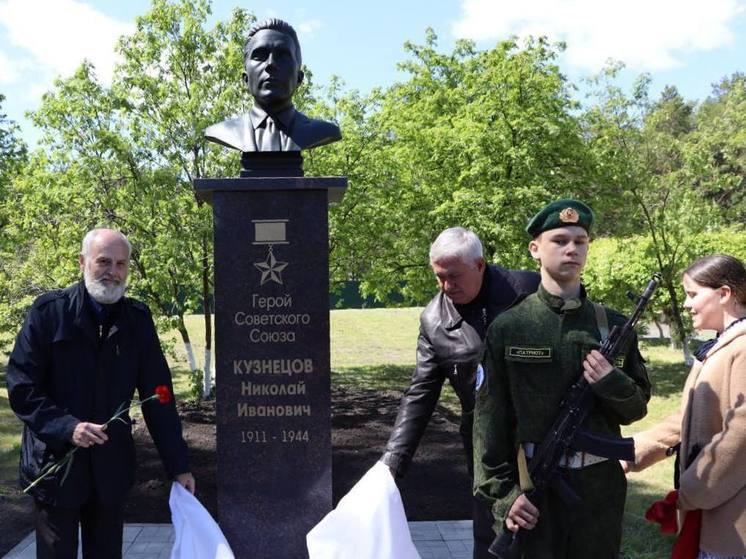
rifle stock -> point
(504, 545)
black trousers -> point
(100, 528)
(481, 515)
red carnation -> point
(664, 513)
(163, 393)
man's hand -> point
(596, 367)
(522, 514)
(626, 466)
(87, 434)
(187, 481)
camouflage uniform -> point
(534, 352)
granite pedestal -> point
(272, 359)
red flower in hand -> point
(163, 394)
(664, 513)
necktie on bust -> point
(271, 136)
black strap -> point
(704, 348)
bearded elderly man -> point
(81, 353)
(450, 343)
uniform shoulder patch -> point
(529, 352)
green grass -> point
(10, 441)
(375, 349)
(374, 336)
(642, 540)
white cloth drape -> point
(368, 523)
(198, 536)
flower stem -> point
(66, 460)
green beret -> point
(562, 213)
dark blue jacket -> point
(63, 370)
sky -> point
(690, 44)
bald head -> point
(103, 235)
(104, 261)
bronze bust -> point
(272, 61)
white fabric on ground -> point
(368, 523)
(198, 536)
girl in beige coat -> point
(711, 424)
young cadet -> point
(534, 352)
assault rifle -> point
(566, 436)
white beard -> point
(102, 293)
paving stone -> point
(433, 540)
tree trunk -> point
(678, 332)
(659, 326)
(191, 359)
(208, 373)
(208, 317)
(187, 344)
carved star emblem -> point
(271, 268)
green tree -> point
(13, 155)
(30, 261)
(618, 265)
(472, 138)
(177, 77)
(12, 150)
(126, 156)
(716, 153)
(640, 148)
(359, 158)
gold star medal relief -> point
(569, 215)
(270, 232)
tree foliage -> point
(12, 149)
(12, 157)
(717, 151)
(472, 138)
(618, 265)
(478, 138)
(642, 180)
(125, 156)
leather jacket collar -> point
(503, 293)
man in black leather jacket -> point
(449, 345)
